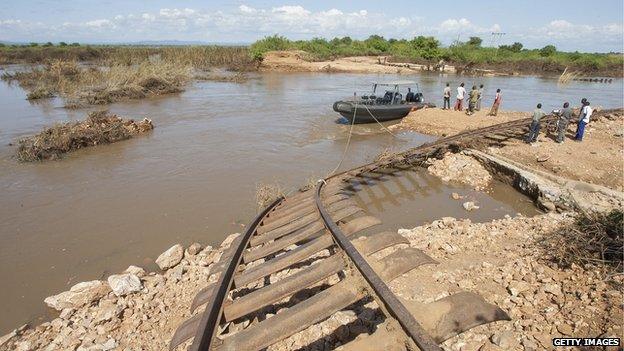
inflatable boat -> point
(371, 108)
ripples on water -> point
(194, 177)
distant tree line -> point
(428, 50)
(35, 44)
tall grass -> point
(200, 57)
(101, 85)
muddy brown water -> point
(194, 178)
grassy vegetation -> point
(199, 57)
(99, 128)
(93, 75)
(81, 85)
(464, 55)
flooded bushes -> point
(99, 128)
(595, 238)
(81, 85)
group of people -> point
(565, 114)
(565, 117)
(475, 98)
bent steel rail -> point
(212, 314)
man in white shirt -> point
(461, 92)
(586, 112)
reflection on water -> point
(411, 197)
(194, 177)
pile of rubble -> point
(504, 262)
(460, 168)
(133, 310)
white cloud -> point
(246, 24)
(454, 25)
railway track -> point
(303, 259)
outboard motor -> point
(418, 97)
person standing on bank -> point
(447, 97)
(496, 104)
(478, 107)
(461, 93)
(473, 97)
(534, 129)
(586, 112)
(564, 120)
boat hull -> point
(364, 113)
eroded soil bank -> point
(504, 260)
(599, 159)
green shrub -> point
(272, 43)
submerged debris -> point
(100, 127)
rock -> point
(517, 287)
(469, 206)
(456, 196)
(504, 340)
(488, 346)
(171, 257)
(138, 271)
(229, 239)
(24, 346)
(67, 313)
(554, 289)
(6, 338)
(123, 284)
(109, 345)
(108, 310)
(194, 249)
(177, 273)
(78, 295)
(548, 205)
(529, 345)
(565, 329)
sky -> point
(571, 25)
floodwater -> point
(194, 178)
(409, 198)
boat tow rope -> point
(344, 153)
(376, 120)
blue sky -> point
(570, 25)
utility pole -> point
(494, 38)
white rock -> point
(505, 340)
(469, 206)
(171, 257)
(123, 284)
(78, 295)
(138, 271)
(109, 345)
(230, 238)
